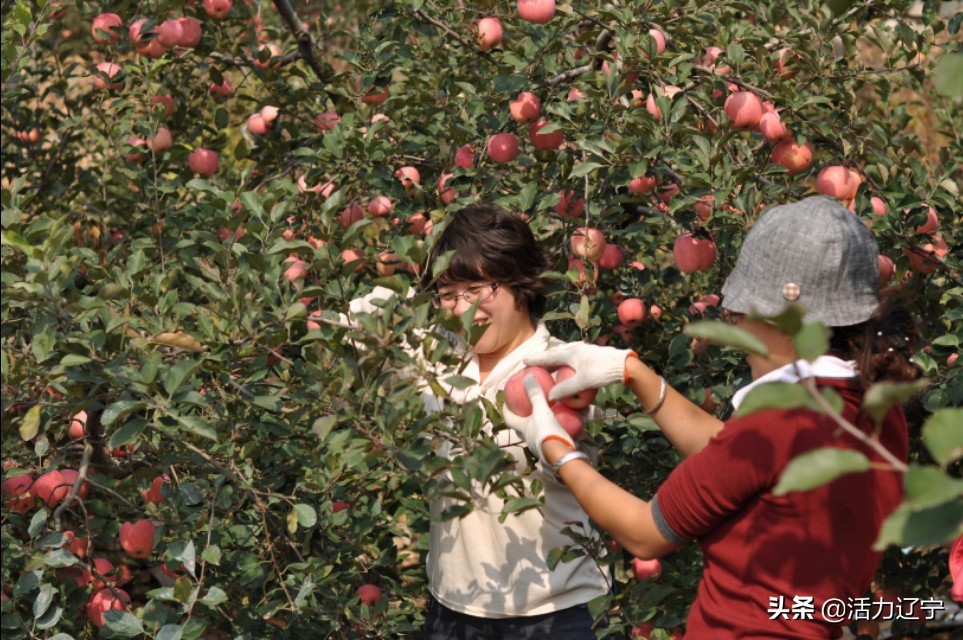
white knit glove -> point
(541, 425)
(595, 366)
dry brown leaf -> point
(179, 339)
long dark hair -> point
(491, 244)
(883, 346)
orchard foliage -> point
(184, 219)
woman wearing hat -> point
(770, 562)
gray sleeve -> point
(663, 526)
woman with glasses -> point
(770, 561)
(488, 576)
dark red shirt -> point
(815, 544)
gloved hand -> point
(542, 425)
(595, 366)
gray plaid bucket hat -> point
(814, 252)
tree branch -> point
(444, 27)
(601, 44)
(305, 42)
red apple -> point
(744, 109)
(350, 214)
(51, 487)
(110, 70)
(772, 128)
(16, 493)
(488, 33)
(579, 400)
(203, 161)
(446, 193)
(642, 184)
(568, 206)
(886, 270)
(516, 398)
(879, 206)
(297, 270)
(502, 147)
(569, 418)
(465, 157)
(70, 477)
(693, 254)
(631, 312)
(931, 225)
(380, 206)
(137, 538)
(642, 631)
(353, 256)
(190, 32)
(536, 11)
(155, 494)
(218, 9)
(75, 545)
(525, 108)
(587, 243)
(106, 28)
(371, 94)
(544, 140)
(409, 177)
(162, 140)
(585, 279)
(659, 39)
(78, 425)
(646, 569)
(150, 47)
(103, 601)
(784, 63)
(327, 121)
(793, 157)
(612, 257)
(223, 90)
(389, 263)
(272, 57)
(167, 101)
(837, 182)
(339, 505)
(170, 32)
(369, 594)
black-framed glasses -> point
(471, 295)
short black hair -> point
(491, 244)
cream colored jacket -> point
(486, 568)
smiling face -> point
(507, 324)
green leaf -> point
(214, 597)
(811, 341)
(271, 403)
(881, 396)
(59, 558)
(170, 632)
(775, 395)
(306, 515)
(31, 424)
(211, 554)
(73, 360)
(43, 600)
(49, 619)
(726, 335)
(37, 523)
(127, 433)
(521, 504)
(789, 321)
(818, 467)
(838, 7)
(176, 375)
(584, 168)
(907, 526)
(121, 624)
(198, 426)
(120, 409)
(943, 435)
(183, 588)
(948, 75)
(928, 487)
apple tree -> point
(197, 444)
